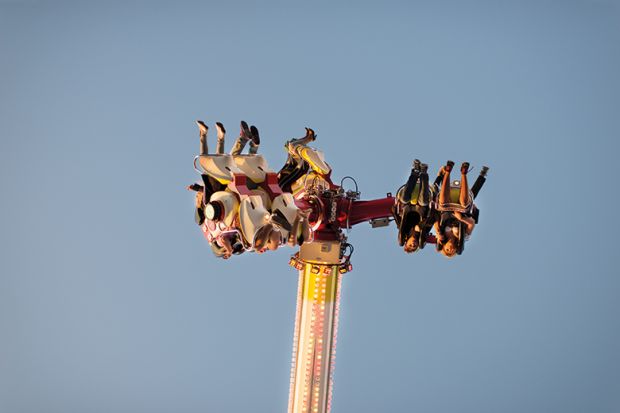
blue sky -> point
(110, 299)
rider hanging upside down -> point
(412, 210)
(457, 213)
(304, 168)
(236, 208)
(216, 206)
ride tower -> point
(246, 197)
(321, 264)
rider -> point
(210, 185)
(246, 135)
(458, 214)
(267, 238)
(217, 211)
(221, 232)
(412, 210)
(295, 167)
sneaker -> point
(465, 168)
(423, 168)
(245, 131)
(202, 127)
(448, 166)
(255, 136)
(310, 134)
(195, 188)
(416, 165)
(484, 170)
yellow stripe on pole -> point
(314, 339)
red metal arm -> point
(362, 211)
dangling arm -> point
(468, 221)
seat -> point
(253, 214)
(454, 204)
(253, 166)
(400, 195)
(284, 206)
(315, 159)
(220, 167)
(290, 173)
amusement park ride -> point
(244, 206)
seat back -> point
(253, 215)
(220, 167)
(253, 166)
(315, 159)
(284, 204)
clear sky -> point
(110, 300)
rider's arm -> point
(440, 236)
(468, 221)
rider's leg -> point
(203, 130)
(410, 185)
(309, 137)
(255, 141)
(211, 185)
(479, 181)
(464, 193)
(444, 193)
(424, 197)
(244, 137)
(221, 134)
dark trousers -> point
(478, 185)
(424, 197)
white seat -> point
(285, 204)
(315, 159)
(253, 215)
(220, 167)
(253, 166)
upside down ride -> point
(244, 206)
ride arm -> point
(362, 211)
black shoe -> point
(448, 167)
(202, 127)
(423, 168)
(465, 168)
(245, 131)
(484, 170)
(255, 136)
(416, 165)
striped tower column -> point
(316, 327)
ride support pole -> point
(316, 327)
